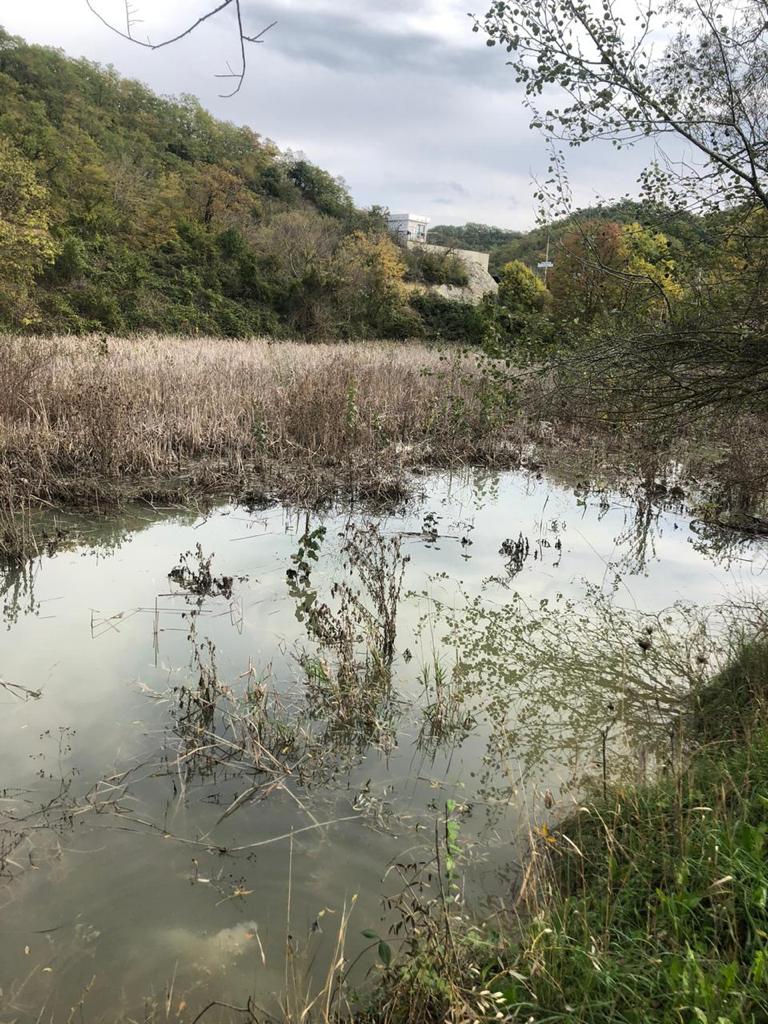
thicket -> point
(427, 266)
(449, 320)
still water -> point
(140, 880)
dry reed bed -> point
(94, 420)
(81, 416)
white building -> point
(410, 231)
(408, 227)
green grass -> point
(658, 910)
(648, 904)
(737, 699)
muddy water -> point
(121, 893)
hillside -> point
(121, 210)
(682, 229)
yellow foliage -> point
(648, 256)
(223, 199)
(26, 246)
(376, 256)
(520, 289)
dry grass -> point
(93, 421)
(82, 418)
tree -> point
(482, 237)
(603, 268)
(328, 194)
(520, 290)
(693, 71)
(706, 85)
(26, 246)
(297, 249)
(223, 199)
(518, 313)
(372, 292)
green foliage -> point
(518, 322)
(448, 320)
(650, 903)
(327, 193)
(520, 290)
(660, 912)
(685, 231)
(430, 266)
(26, 246)
(684, 328)
(121, 211)
(727, 706)
(477, 237)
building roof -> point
(409, 216)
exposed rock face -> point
(476, 263)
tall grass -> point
(97, 420)
(79, 414)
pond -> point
(196, 801)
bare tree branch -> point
(131, 20)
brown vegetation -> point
(93, 421)
(91, 418)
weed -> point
(349, 683)
(444, 715)
(647, 903)
(194, 575)
(173, 417)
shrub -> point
(521, 291)
(448, 320)
(429, 267)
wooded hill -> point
(682, 230)
(121, 210)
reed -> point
(93, 421)
(82, 417)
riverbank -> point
(648, 903)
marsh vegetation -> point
(94, 422)
(400, 681)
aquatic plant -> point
(193, 574)
(444, 715)
(165, 418)
(175, 417)
(349, 680)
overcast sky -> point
(399, 97)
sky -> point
(399, 97)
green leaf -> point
(367, 933)
(385, 953)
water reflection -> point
(17, 592)
(218, 746)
